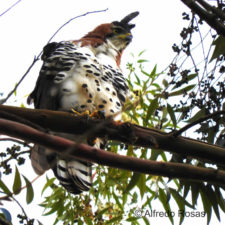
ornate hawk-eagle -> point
(83, 75)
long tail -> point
(75, 176)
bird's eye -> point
(117, 30)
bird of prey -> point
(81, 75)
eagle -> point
(82, 76)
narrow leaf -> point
(134, 180)
(182, 91)
(151, 109)
(220, 198)
(219, 47)
(153, 73)
(142, 184)
(194, 192)
(117, 201)
(165, 83)
(146, 220)
(48, 183)
(17, 182)
(5, 188)
(198, 115)
(206, 205)
(141, 53)
(192, 76)
(142, 61)
(172, 115)
(163, 199)
(213, 200)
(30, 191)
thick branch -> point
(208, 17)
(124, 132)
(91, 154)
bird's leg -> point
(85, 113)
(95, 114)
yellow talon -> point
(86, 112)
(94, 114)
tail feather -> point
(75, 176)
(41, 159)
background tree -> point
(166, 104)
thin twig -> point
(17, 141)
(10, 8)
(76, 17)
(2, 101)
(179, 132)
(21, 207)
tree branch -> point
(210, 18)
(84, 152)
(123, 132)
(200, 120)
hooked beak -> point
(127, 37)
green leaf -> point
(151, 109)
(212, 198)
(146, 220)
(153, 73)
(137, 79)
(141, 53)
(206, 204)
(181, 201)
(220, 198)
(164, 200)
(182, 91)
(145, 73)
(186, 189)
(165, 83)
(198, 115)
(5, 188)
(172, 115)
(48, 183)
(117, 201)
(219, 47)
(142, 184)
(185, 80)
(192, 76)
(133, 218)
(17, 182)
(102, 212)
(194, 192)
(142, 61)
(133, 182)
(30, 191)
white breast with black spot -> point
(86, 86)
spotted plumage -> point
(83, 75)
